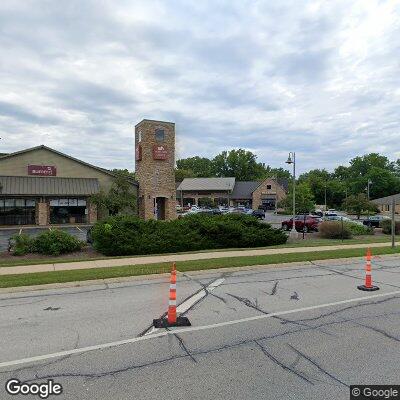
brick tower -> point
(155, 163)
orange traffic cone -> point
(369, 287)
(172, 318)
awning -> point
(47, 186)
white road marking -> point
(189, 329)
(20, 231)
(79, 229)
(183, 307)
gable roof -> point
(387, 199)
(43, 147)
(244, 189)
(207, 184)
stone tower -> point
(155, 164)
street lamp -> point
(292, 160)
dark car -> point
(375, 221)
(260, 214)
(306, 223)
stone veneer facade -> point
(268, 188)
(155, 169)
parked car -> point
(375, 221)
(306, 223)
(260, 214)
(317, 212)
(340, 218)
(331, 213)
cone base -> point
(367, 289)
(163, 322)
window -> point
(269, 187)
(160, 135)
(139, 136)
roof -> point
(284, 183)
(106, 171)
(207, 184)
(244, 189)
(154, 120)
(387, 200)
(47, 186)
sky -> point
(321, 78)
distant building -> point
(384, 203)
(229, 191)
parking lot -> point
(79, 231)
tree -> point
(121, 198)
(124, 172)
(240, 164)
(181, 174)
(304, 199)
(199, 166)
(357, 204)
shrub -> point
(129, 235)
(21, 244)
(387, 227)
(334, 230)
(56, 242)
(358, 229)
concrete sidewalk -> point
(119, 262)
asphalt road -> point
(322, 336)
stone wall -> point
(269, 187)
(155, 172)
(42, 214)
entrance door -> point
(160, 208)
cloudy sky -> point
(321, 78)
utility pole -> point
(292, 160)
(393, 221)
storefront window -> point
(68, 211)
(17, 211)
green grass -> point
(301, 243)
(135, 270)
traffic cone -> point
(369, 287)
(172, 297)
(172, 318)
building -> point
(43, 186)
(155, 169)
(228, 191)
(384, 203)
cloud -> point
(318, 78)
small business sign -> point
(42, 170)
(159, 152)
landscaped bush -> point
(387, 227)
(56, 242)
(21, 244)
(358, 229)
(128, 235)
(334, 230)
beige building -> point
(228, 191)
(43, 186)
(385, 204)
(155, 169)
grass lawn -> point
(114, 272)
(301, 243)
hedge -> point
(129, 235)
(54, 242)
(334, 230)
(387, 227)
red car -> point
(306, 223)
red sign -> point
(42, 170)
(159, 152)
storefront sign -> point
(159, 152)
(42, 170)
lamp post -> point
(368, 185)
(292, 160)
